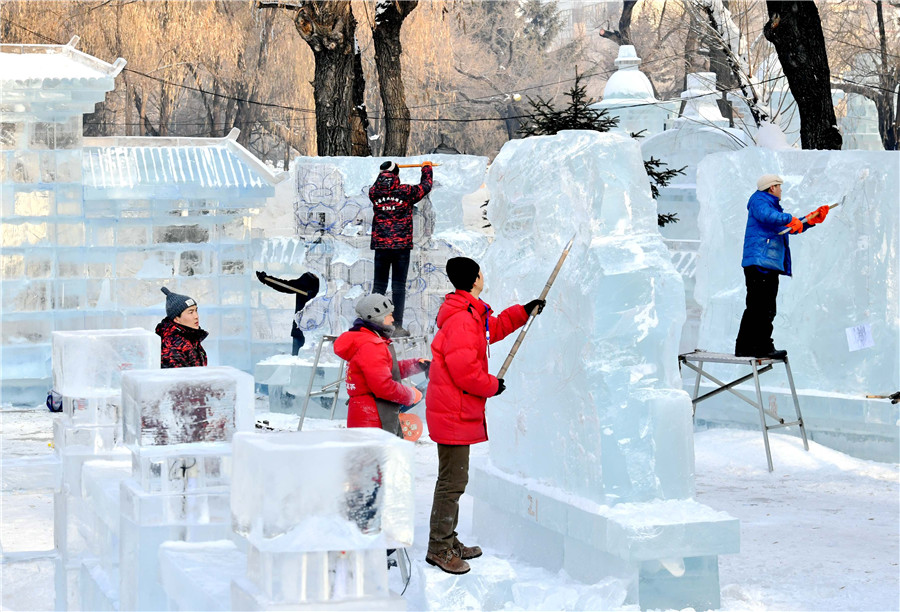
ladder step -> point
(780, 425)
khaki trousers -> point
(452, 478)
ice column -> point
(87, 370)
(318, 510)
(178, 425)
(591, 455)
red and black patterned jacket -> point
(180, 345)
(392, 225)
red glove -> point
(796, 225)
(818, 215)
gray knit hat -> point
(176, 303)
(374, 308)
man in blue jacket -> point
(766, 256)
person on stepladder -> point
(767, 255)
(458, 388)
(392, 232)
(373, 371)
(304, 288)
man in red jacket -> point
(181, 334)
(373, 373)
(392, 232)
(459, 385)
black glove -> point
(539, 304)
(261, 276)
(425, 364)
(500, 388)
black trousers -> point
(755, 334)
(393, 263)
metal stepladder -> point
(332, 388)
(759, 366)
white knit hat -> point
(767, 180)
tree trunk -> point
(328, 28)
(359, 120)
(622, 36)
(796, 31)
(386, 36)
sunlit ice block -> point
(139, 577)
(90, 363)
(198, 575)
(323, 490)
(199, 466)
(192, 506)
(30, 473)
(93, 410)
(180, 405)
(93, 438)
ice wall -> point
(845, 275)
(591, 454)
(596, 381)
(331, 219)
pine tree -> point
(545, 120)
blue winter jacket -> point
(763, 246)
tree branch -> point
(481, 78)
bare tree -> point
(622, 36)
(389, 16)
(795, 29)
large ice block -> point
(594, 429)
(323, 490)
(198, 575)
(90, 363)
(178, 468)
(181, 405)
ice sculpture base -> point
(99, 588)
(666, 551)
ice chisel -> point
(415, 165)
(785, 231)
(515, 347)
(280, 284)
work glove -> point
(796, 225)
(539, 304)
(500, 388)
(261, 276)
(818, 215)
(425, 365)
(417, 398)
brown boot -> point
(467, 552)
(448, 561)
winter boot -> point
(448, 561)
(467, 552)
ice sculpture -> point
(591, 455)
(838, 315)
(318, 510)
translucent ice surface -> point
(838, 316)
(178, 405)
(593, 405)
(323, 490)
(90, 363)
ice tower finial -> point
(628, 58)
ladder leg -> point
(312, 376)
(762, 417)
(337, 391)
(697, 386)
(787, 367)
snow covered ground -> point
(820, 533)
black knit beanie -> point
(390, 166)
(462, 272)
(176, 303)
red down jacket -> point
(369, 375)
(459, 382)
(180, 346)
